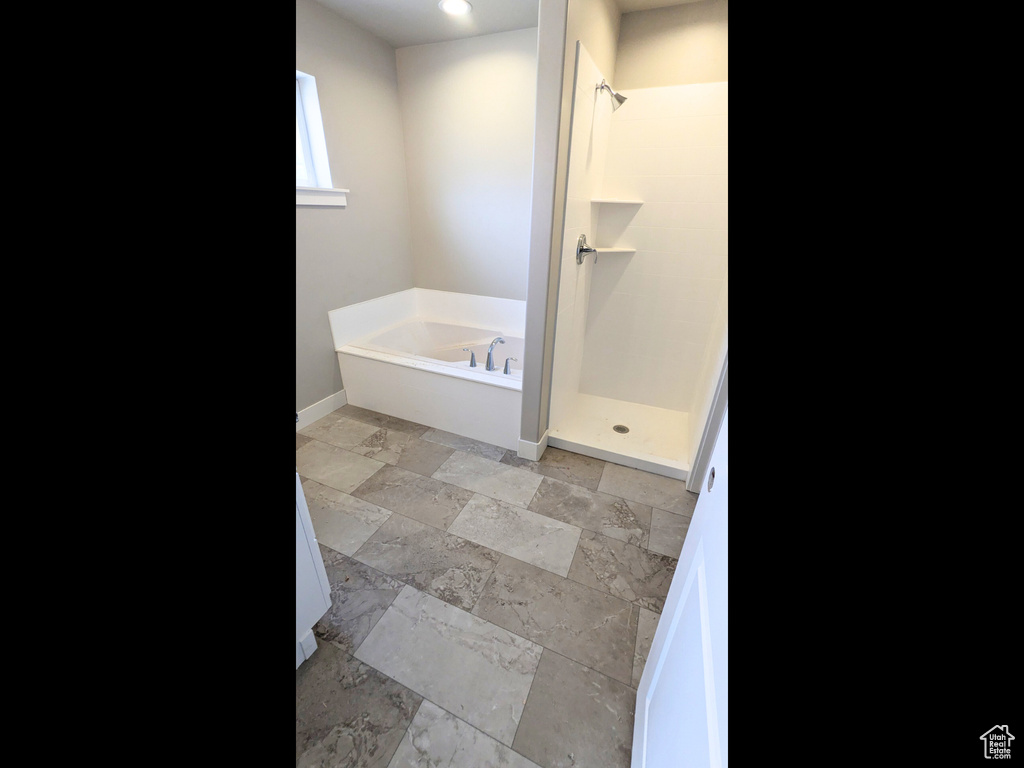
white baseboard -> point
(318, 410)
(533, 451)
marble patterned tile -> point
(404, 450)
(623, 570)
(359, 597)
(470, 667)
(382, 420)
(654, 490)
(615, 517)
(584, 624)
(347, 713)
(438, 563)
(384, 445)
(576, 717)
(424, 457)
(562, 465)
(668, 530)
(334, 466)
(489, 477)
(422, 498)
(467, 444)
(340, 521)
(339, 431)
(644, 637)
(519, 533)
(438, 738)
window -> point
(312, 171)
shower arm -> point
(617, 98)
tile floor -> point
(486, 610)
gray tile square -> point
(339, 431)
(404, 450)
(647, 488)
(301, 440)
(562, 465)
(576, 717)
(347, 713)
(384, 445)
(382, 420)
(438, 563)
(517, 532)
(584, 624)
(422, 498)
(615, 517)
(438, 738)
(467, 444)
(489, 477)
(340, 521)
(623, 570)
(424, 457)
(468, 666)
(359, 597)
(668, 531)
(334, 466)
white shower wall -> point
(650, 314)
(591, 120)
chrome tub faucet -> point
(490, 353)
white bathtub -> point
(403, 355)
(441, 348)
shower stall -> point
(641, 332)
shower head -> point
(617, 98)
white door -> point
(312, 589)
(682, 703)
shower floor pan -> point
(656, 441)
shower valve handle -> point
(582, 249)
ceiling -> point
(416, 22)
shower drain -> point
(621, 429)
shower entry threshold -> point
(656, 440)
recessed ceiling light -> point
(455, 7)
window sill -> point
(335, 198)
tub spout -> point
(490, 353)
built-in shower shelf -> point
(619, 202)
(616, 250)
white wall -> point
(651, 312)
(347, 255)
(468, 118)
(591, 120)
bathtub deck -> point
(656, 441)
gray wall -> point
(678, 45)
(347, 255)
(468, 108)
